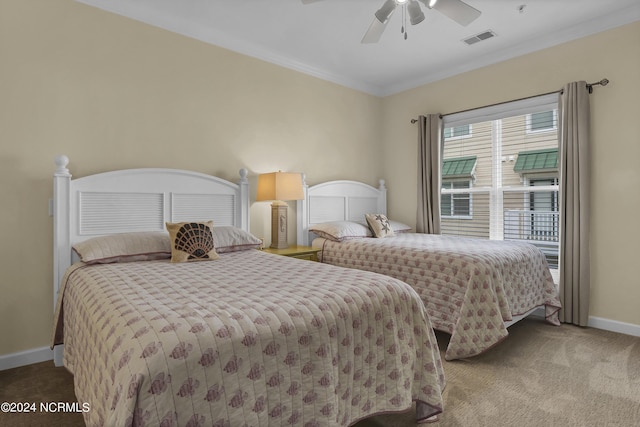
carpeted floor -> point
(541, 375)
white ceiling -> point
(323, 38)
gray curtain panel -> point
(574, 203)
(429, 165)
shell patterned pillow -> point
(191, 241)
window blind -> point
(500, 173)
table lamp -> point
(279, 187)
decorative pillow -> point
(379, 225)
(341, 230)
(124, 247)
(191, 241)
(231, 239)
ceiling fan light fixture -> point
(456, 10)
(385, 12)
(415, 13)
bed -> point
(245, 338)
(473, 289)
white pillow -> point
(124, 247)
(399, 227)
(153, 245)
(341, 230)
(232, 239)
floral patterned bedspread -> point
(469, 286)
(251, 339)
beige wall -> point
(615, 289)
(113, 93)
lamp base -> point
(279, 225)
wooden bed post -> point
(61, 233)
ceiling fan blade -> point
(375, 31)
(457, 10)
(309, 1)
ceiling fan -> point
(457, 10)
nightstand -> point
(300, 252)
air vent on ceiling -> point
(479, 37)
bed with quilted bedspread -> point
(470, 287)
(250, 339)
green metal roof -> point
(537, 160)
(458, 166)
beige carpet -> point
(543, 375)
(540, 376)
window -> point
(457, 175)
(543, 211)
(544, 121)
(511, 191)
(463, 131)
(456, 204)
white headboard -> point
(338, 201)
(136, 200)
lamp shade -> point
(279, 186)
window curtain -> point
(429, 164)
(574, 203)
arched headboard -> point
(136, 200)
(338, 201)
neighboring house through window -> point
(500, 181)
(539, 168)
(543, 121)
(463, 131)
(457, 175)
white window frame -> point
(463, 136)
(553, 128)
(452, 193)
(494, 113)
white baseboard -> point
(24, 358)
(604, 324)
(614, 326)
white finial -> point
(61, 162)
(304, 179)
(243, 174)
(381, 184)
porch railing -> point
(539, 226)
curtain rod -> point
(602, 82)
